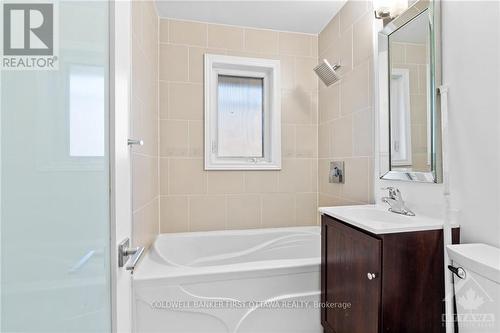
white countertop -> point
(378, 220)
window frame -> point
(269, 71)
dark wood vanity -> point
(394, 282)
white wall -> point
(471, 69)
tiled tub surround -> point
(192, 199)
(144, 122)
(345, 130)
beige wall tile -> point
(340, 52)
(163, 31)
(207, 213)
(314, 175)
(295, 176)
(422, 79)
(261, 181)
(261, 41)
(326, 200)
(144, 180)
(341, 137)
(314, 107)
(362, 127)
(307, 140)
(150, 24)
(139, 80)
(356, 187)
(295, 44)
(344, 52)
(145, 224)
(186, 176)
(220, 182)
(185, 101)
(296, 107)
(397, 51)
(278, 210)
(363, 39)
(144, 123)
(287, 67)
(196, 138)
(243, 211)
(173, 62)
(352, 11)
(163, 99)
(324, 132)
(174, 138)
(355, 94)
(371, 180)
(196, 62)
(329, 102)
(416, 54)
(328, 35)
(418, 109)
(189, 33)
(305, 77)
(315, 47)
(174, 214)
(136, 124)
(190, 190)
(150, 134)
(225, 37)
(306, 209)
(136, 18)
(163, 176)
(288, 140)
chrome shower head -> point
(327, 73)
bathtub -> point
(245, 281)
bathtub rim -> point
(150, 269)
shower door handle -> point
(124, 252)
(136, 255)
(133, 142)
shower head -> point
(327, 73)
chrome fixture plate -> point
(337, 174)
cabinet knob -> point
(371, 276)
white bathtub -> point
(258, 281)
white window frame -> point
(269, 71)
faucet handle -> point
(393, 191)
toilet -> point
(476, 282)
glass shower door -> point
(55, 216)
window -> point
(86, 111)
(242, 113)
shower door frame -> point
(120, 39)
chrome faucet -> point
(395, 200)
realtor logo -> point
(29, 37)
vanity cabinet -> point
(393, 282)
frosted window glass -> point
(86, 107)
(240, 116)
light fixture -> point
(389, 9)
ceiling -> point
(297, 16)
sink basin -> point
(379, 220)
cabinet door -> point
(348, 257)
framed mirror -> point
(409, 77)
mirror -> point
(409, 113)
